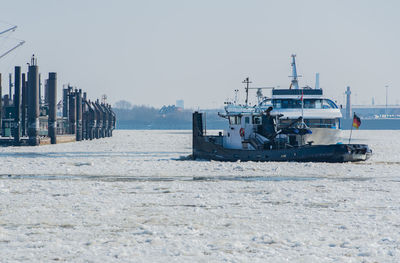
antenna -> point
(33, 60)
(236, 95)
(247, 82)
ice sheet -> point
(130, 198)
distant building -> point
(180, 104)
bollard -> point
(72, 112)
(33, 103)
(52, 100)
(91, 121)
(1, 108)
(78, 97)
(17, 105)
(24, 104)
(98, 121)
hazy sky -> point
(155, 52)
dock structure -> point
(28, 119)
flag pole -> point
(351, 131)
(302, 108)
(302, 124)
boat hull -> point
(206, 149)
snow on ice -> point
(132, 198)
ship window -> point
(318, 104)
(247, 120)
(322, 123)
(256, 120)
(296, 103)
(234, 120)
(309, 104)
(287, 104)
(277, 104)
(328, 104)
(267, 102)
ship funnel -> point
(317, 81)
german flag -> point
(356, 121)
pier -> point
(29, 119)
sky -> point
(155, 52)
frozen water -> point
(131, 198)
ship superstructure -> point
(320, 114)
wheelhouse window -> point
(235, 120)
(307, 104)
(318, 104)
(256, 120)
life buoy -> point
(241, 132)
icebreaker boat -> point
(258, 136)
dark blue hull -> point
(204, 149)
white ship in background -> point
(320, 114)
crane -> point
(21, 42)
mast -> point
(247, 82)
(236, 96)
(295, 83)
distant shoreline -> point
(145, 118)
